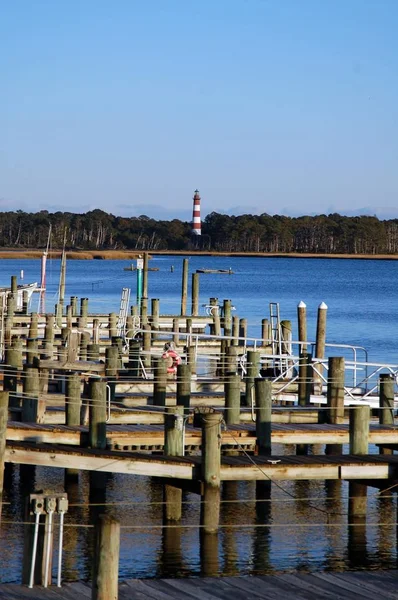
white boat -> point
(26, 287)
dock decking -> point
(348, 585)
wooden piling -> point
(235, 330)
(173, 446)
(72, 409)
(146, 342)
(155, 314)
(335, 390)
(183, 394)
(305, 379)
(359, 441)
(286, 333)
(25, 302)
(83, 345)
(32, 409)
(34, 326)
(93, 352)
(83, 311)
(252, 371)
(111, 368)
(195, 295)
(97, 413)
(106, 559)
(265, 336)
(320, 347)
(302, 325)
(211, 462)
(232, 398)
(73, 303)
(112, 325)
(184, 286)
(13, 362)
(386, 411)
(96, 331)
(242, 332)
(145, 276)
(230, 359)
(32, 352)
(134, 358)
(176, 331)
(263, 390)
(191, 359)
(227, 317)
(4, 397)
(159, 382)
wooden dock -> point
(349, 585)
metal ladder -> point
(123, 312)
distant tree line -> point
(97, 229)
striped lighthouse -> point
(196, 223)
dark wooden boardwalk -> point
(349, 585)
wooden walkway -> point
(233, 468)
(348, 585)
(151, 437)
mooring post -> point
(83, 311)
(96, 331)
(69, 316)
(97, 413)
(183, 394)
(216, 323)
(252, 371)
(176, 331)
(59, 309)
(173, 446)
(386, 411)
(4, 397)
(112, 325)
(191, 358)
(73, 303)
(72, 409)
(286, 332)
(302, 325)
(32, 409)
(227, 317)
(335, 390)
(232, 398)
(155, 314)
(146, 343)
(305, 379)
(359, 442)
(320, 347)
(265, 336)
(159, 382)
(195, 295)
(263, 388)
(93, 352)
(134, 358)
(106, 559)
(235, 330)
(34, 326)
(111, 368)
(230, 359)
(83, 345)
(242, 332)
(32, 352)
(184, 287)
(25, 302)
(211, 467)
(13, 362)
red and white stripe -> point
(196, 222)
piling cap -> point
(301, 305)
(323, 306)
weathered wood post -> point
(159, 382)
(69, 316)
(73, 303)
(173, 446)
(359, 441)
(96, 331)
(106, 559)
(305, 379)
(230, 360)
(112, 325)
(3, 430)
(386, 411)
(146, 342)
(134, 358)
(58, 314)
(111, 368)
(83, 345)
(184, 287)
(32, 409)
(232, 398)
(242, 332)
(14, 364)
(320, 347)
(302, 325)
(155, 314)
(72, 410)
(211, 466)
(263, 389)
(176, 331)
(335, 390)
(235, 330)
(286, 332)
(252, 371)
(83, 311)
(183, 394)
(265, 335)
(216, 323)
(34, 326)
(93, 352)
(25, 302)
(97, 428)
(227, 317)
(191, 359)
(195, 295)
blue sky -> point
(277, 106)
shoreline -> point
(133, 255)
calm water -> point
(305, 527)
